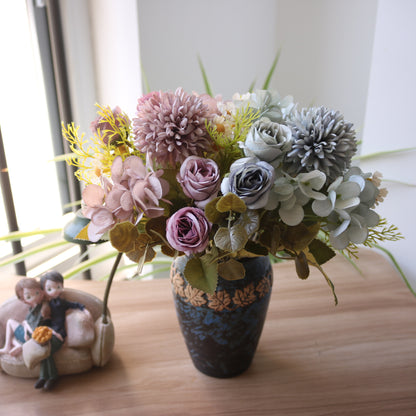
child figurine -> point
(29, 291)
(52, 283)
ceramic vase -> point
(221, 331)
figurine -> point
(57, 337)
(52, 283)
(29, 291)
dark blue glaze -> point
(222, 340)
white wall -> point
(235, 40)
(389, 120)
(325, 47)
(102, 52)
(115, 39)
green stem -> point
(108, 287)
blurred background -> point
(355, 56)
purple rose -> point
(188, 230)
(110, 132)
(200, 179)
(251, 180)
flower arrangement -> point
(220, 180)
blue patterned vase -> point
(222, 330)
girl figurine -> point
(52, 283)
(29, 291)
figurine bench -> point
(89, 341)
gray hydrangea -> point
(271, 105)
(322, 140)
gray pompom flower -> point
(322, 140)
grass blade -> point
(353, 263)
(18, 235)
(21, 256)
(383, 153)
(396, 265)
(205, 78)
(64, 157)
(398, 182)
(145, 81)
(85, 265)
(271, 71)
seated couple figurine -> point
(48, 331)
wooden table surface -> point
(358, 358)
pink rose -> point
(200, 179)
(188, 230)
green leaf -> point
(253, 249)
(123, 236)
(251, 87)
(212, 214)
(298, 237)
(270, 233)
(271, 71)
(76, 230)
(142, 251)
(231, 270)
(250, 221)
(231, 239)
(302, 266)
(201, 274)
(231, 202)
(204, 76)
(320, 251)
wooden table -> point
(358, 358)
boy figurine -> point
(29, 291)
(52, 283)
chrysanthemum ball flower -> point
(322, 140)
(169, 126)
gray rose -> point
(251, 180)
(268, 141)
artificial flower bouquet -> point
(222, 180)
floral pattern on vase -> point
(222, 330)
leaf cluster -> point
(138, 244)
(382, 232)
(241, 233)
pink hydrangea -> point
(133, 191)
